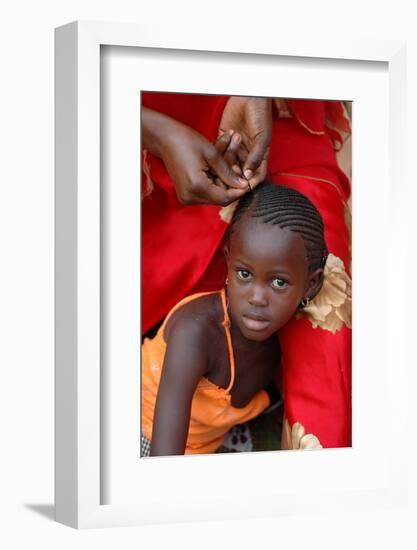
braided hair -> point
(287, 208)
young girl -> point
(206, 369)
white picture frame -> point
(79, 409)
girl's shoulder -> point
(200, 315)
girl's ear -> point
(314, 284)
(226, 252)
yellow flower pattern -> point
(226, 212)
(295, 439)
(301, 441)
(332, 307)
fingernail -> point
(236, 138)
(248, 174)
(243, 182)
(231, 132)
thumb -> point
(225, 172)
(256, 156)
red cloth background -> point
(181, 248)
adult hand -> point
(251, 117)
(198, 170)
(228, 145)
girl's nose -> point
(258, 296)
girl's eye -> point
(243, 274)
(279, 283)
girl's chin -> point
(257, 335)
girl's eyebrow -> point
(241, 261)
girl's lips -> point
(255, 323)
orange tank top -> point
(212, 413)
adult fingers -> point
(259, 175)
(223, 141)
(230, 154)
(220, 184)
(257, 154)
(236, 169)
(213, 191)
(227, 145)
(221, 168)
(242, 154)
(223, 197)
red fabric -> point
(181, 251)
(179, 243)
(317, 381)
(316, 364)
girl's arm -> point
(184, 364)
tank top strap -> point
(226, 324)
(183, 302)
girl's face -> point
(267, 277)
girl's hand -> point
(251, 117)
(198, 170)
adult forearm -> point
(155, 129)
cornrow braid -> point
(287, 208)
